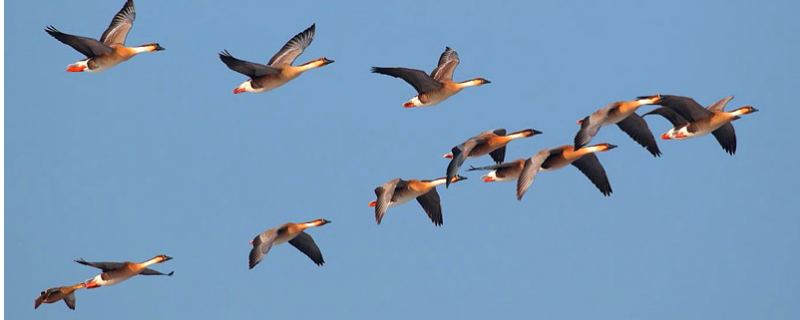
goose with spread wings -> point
(399, 191)
(623, 114)
(436, 87)
(691, 120)
(116, 272)
(110, 50)
(556, 158)
(279, 70)
(52, 295)
(492, 142)
(288, 232)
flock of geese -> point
(689, 120)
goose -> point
(110, 50)
(491, 142)
(287, 232)
(691, 120)
(556, 158)
(436, 87)
(279, 70)
(623, 114)
(52, 295)
(399, 191)
(116, 272)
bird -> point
(555, 158)
(52, 295)
(623, 114)
(506, 171)
(110, 50)
(491, 142)
(294, 234)
(691, 120)
(279, 70)
(116, 272)
(398, 191)
(436, 87)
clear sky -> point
(157, 155)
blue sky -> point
(158, 156)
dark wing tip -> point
(655, 152)
(52, 31)
(170, 273)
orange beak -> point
(580, 121)
(448, 156)
(408, 105)
(371, 204)
(251, 242)
(238, 90)
(92, 285)
(665, 136)
(488, 179)
(75, 68)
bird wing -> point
(726, 136)
(292, 49)
(637, 129)
(592, 124)
(385, 193)
(719, 106)
(592, 169)
(529, 171)
(448, 62)
(250, 69)
(117, 31)
(416, 78)
(87, 46)
(70, 300)
(105, 266)
(151, 272)
(669, 114)
(460, 153)
(261, 245)
(431, 203)
(306, 245)
(685, 106)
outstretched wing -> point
(250, 69)
(385, 193)
(117, 31)
(105, 266)
(87, 46)
(592, 169)
(671, 116)
(460, 153)
(261, 245)
(292, 49)
(686, 107)
(306, 245)
(70, 300)
(416, 78)
(448, 62)
(431, 203)
(638, 130)
(592, 124)
(151, 272)
(719, 106)
(726, 136)
(529, 171)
